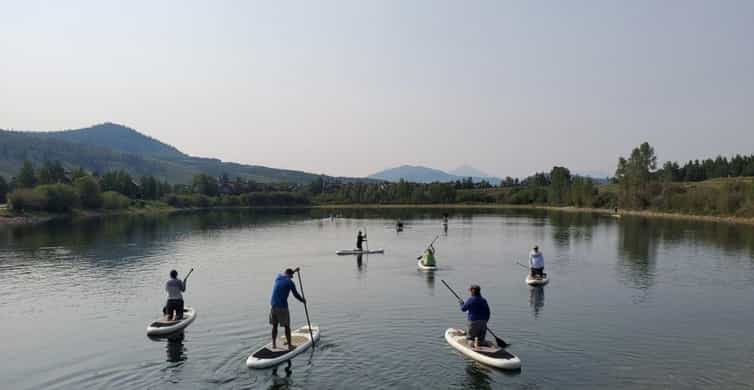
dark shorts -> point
(477, 329)
(538, 272)
(280, 316)
(174, 306)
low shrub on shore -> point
(112, 200)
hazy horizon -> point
(349, 89)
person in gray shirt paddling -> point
(175, 289)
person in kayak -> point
(175, 289)
(279, 314)
(537, 263)
(360, 238)
(478, 315)
(428, 260)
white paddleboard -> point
(358, 252)
(537, 281)
(162, 327)
(489, 354)
(425, 267)
(267, 356)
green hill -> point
(110, 146)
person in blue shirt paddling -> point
(478, 314)
(279, 314)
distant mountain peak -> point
(421, 174)
(119, 138)
(468, 170)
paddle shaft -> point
(306, 309)
(367, 238)
(500, 342)
(187, 275)
(522, 265)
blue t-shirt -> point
(477, 307)
(280, 290)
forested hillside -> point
(109, 147)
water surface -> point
(632, 303)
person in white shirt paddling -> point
(537, 263)
(175, 288)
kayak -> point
(425, 267)
(163, 327)
(358, 252)
(489, 353)
(267, 356)
(537, 281)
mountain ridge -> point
(111, 146)
(422, 174)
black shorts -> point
(174, 305)
(538, 272)
(477, 329)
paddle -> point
(522, 265)
(500, 342)
(366, 238)
(187, 275)
(306, 309)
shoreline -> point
(8, 218)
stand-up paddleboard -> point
(423, 267)
(488, 353)
(164, 327)
(267, 356)
(615, 215)
(358, 252)
(537, 281)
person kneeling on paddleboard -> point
(537, 263)
(359, 239)
(279, 314)
(478, 315)
(174, 287)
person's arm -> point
(465, 306)
(183, 285)
(295, 293)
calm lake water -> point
(632, 303)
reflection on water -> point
(284, 382)
(477, 377)
(429, 276)
(174, 346)
(536, 299)
(360, 263)
(637, 250)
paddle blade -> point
(500, 342)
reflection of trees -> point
(567, 226)
(637, 251)
(536, 299)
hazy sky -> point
(352, 87)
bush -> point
(112, 200)
(59, 197)
(26, 199)
(606, 200)
(89, 191)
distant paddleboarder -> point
(279, 314)
(537, 263)
(360, 238)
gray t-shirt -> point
(174, 287)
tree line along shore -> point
(720, 188)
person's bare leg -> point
(288, 336)
(274, 336)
